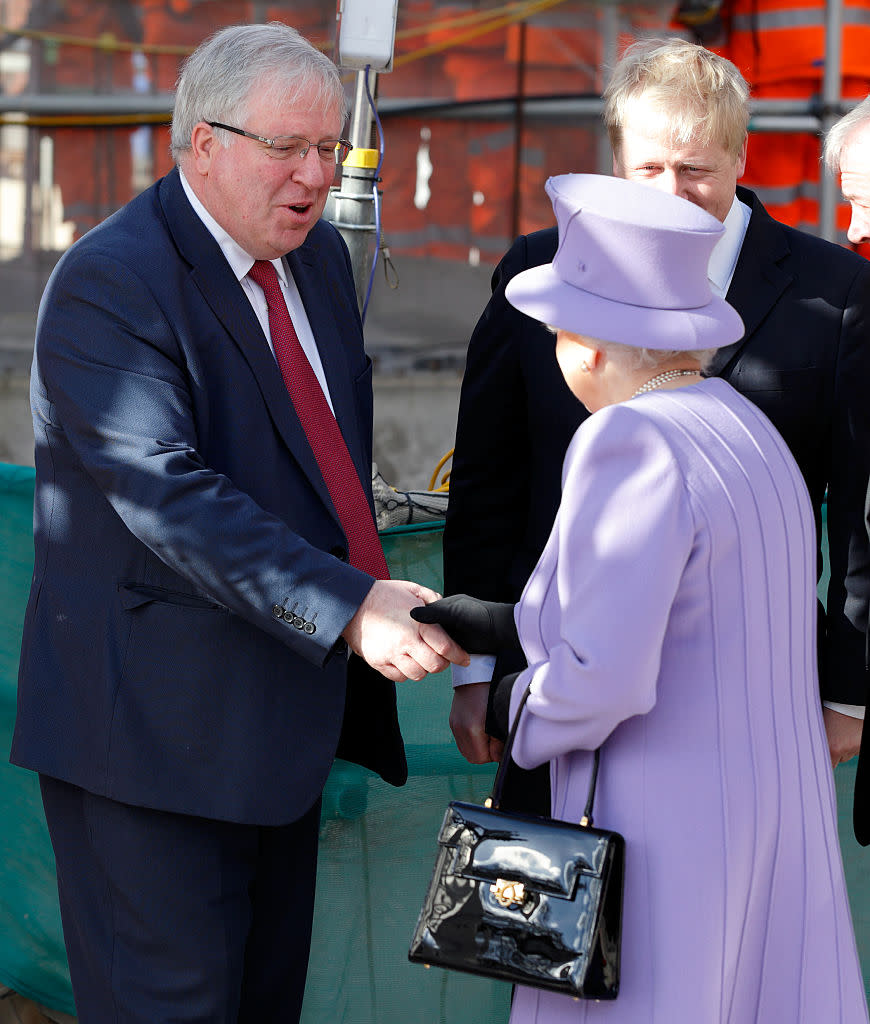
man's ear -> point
(203, 142)
(741, 158)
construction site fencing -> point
(377, 842)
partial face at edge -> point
(855, 182)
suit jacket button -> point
(298, 621)
(339, 552)
(309, 628)
(287, 616)
(277, 610)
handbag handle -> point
(494, 799)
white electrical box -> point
(367, 33)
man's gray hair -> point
(219, 77)
(838, 136)
(701, 96)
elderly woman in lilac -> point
(671, 620)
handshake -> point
(479, 627)
(405, 630)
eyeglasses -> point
(285, 147)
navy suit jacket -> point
(804, 360)
(178, 510)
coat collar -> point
(759, 277)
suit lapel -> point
(211, 274)
(759, 279)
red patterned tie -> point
(322, 430)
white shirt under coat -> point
(240, 263)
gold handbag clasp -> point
(508, 893)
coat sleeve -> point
(489, 478)
(112, 386)
(844, 643)
(600, 607)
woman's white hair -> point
(632, 357)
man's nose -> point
(859, 225)
(667, 181)
(310, 170)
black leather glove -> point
(479, 627)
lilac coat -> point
(672, 619)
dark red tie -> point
(322, 430)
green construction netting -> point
(377, 842)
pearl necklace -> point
(663, 378)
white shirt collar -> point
(725, 253)
(240, 261)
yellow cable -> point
(491, 20)
(461, 20)
(521, 15)
(444, 480)
(86, 120)
(106, 41)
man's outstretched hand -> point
(384, 635)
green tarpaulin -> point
(377, 842)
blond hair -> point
(702, 98)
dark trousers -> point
(173, 919)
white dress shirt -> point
(726, 251)
(240, 263)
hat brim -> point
(540, 293)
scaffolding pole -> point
(832, 103)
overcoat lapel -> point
(759, 279)
(211, 274)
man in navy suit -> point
(677, 118)
(205, 623)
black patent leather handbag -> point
(533, 901)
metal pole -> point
(519, 131)
(361, 120)
(609, 42)
(351, 205)
(832, 87)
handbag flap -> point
(546, 855)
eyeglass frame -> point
(270, 143)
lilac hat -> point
(631, 267)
